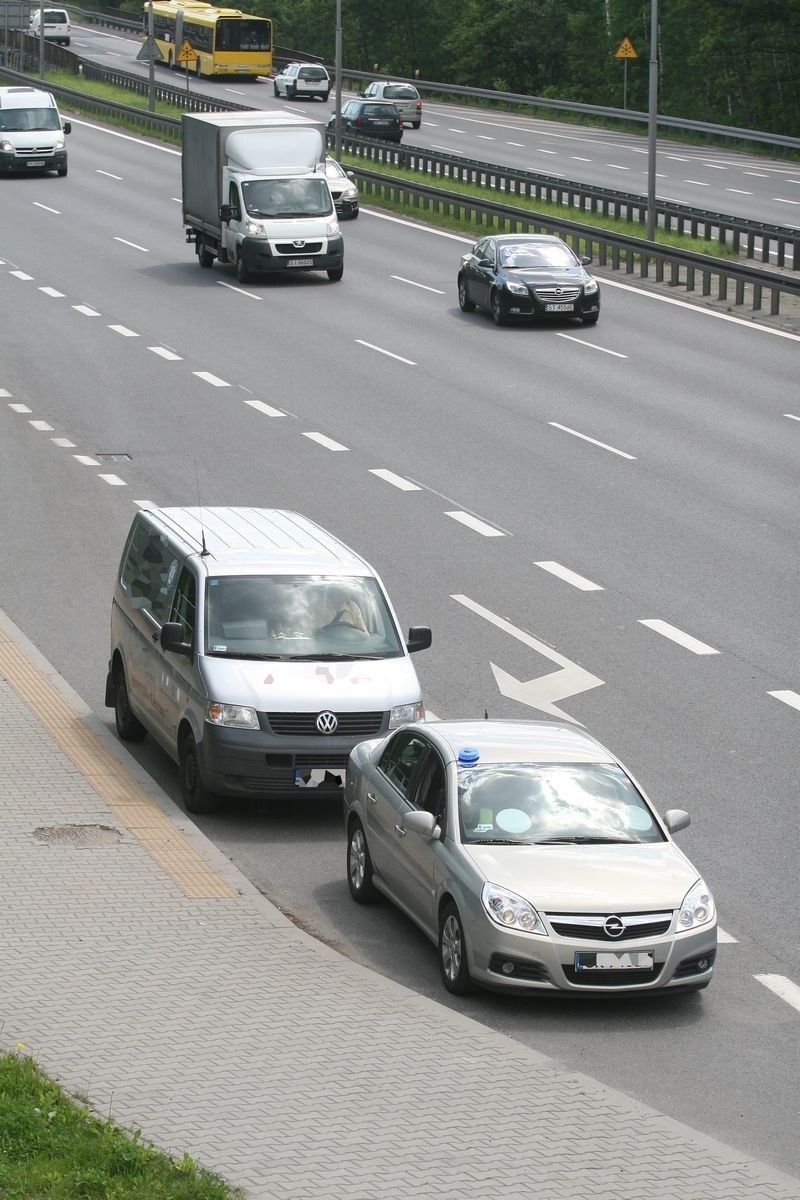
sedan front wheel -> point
(464, 302)
(453, 952)
(497, 309)
(359, 867)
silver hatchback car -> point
(404, 96)
(529, 855)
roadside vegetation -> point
(52, 1147)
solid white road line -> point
(585, 438)
(327, 442)
(85, 310)
(677, 635)
(261, 407)
(388, 353)
(41, 425)
(474, 523)
(51, 291)
(790, 698)
(123, 330)
(114, 480)
(169, 355)
(214, 380)
(782, 987)
(86, 460)
(397, 481)
(568, 576)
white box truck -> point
(255, 194)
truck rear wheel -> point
(335, 274)
(204, 256)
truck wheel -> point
(335, 274)
(242, 273)
(204, 256)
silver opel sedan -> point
(529, 855)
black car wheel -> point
(242, 273)
(196, 798)
(335, 274)
(204, 256)
(464, 303)
(453, 952)
(359, 867)
(129, 727)
(592, 320)
(497, 310)
(291, 92)
(275, 91)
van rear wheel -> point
(129, 727)
(196, 798)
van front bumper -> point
(251, 762)
(264, 258)
(30, 163)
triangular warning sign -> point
(150, 51)
(186, 53)
(625, 49)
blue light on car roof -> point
(468, 755)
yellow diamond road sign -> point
(186, 53)
(625, 49)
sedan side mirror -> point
(172, 639)
(423, 823)
(419, 638)
(585, 259)
(676, 819)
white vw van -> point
(256, 648)
(31, 131)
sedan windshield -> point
(298, 617)
(545, 255)
(552, 803)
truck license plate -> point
(635, 960)
(300, 262)
(558, 307)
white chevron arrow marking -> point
(541, 693)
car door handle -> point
(399, 829)
(373, 799)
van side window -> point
(184, 606)
(149, 571)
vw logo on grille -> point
(614, 927)
(327, 722)
(298, 243)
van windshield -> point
(16, 120)
(298, 617)
(300, 197)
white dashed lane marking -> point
(327, 442)
(578, 581)
(51, 291)
(782, 987)
(786, 697)
(114, 480)
(266, 409)
(388, 353)
(162, 352)
(473, 523)
(20, 408)
(123, 330)
(86, 460)
(677, 635)
(214, 380)
(585, 438)
(85, 310)
(42, 425)
(405, 485)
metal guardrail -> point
(614, 252)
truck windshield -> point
(16, 120)
(287, 197)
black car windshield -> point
(302, 197)
(546, 255)
(580, 803)
(298, 616)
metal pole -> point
(151, 87)
(652, 123)
(41, 40)
(337, 89)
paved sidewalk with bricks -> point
(138, 966)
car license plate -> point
(559, 307)
(381, 122)
(604, 960)
(38, 162)
(300, 262)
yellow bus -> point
(224, 41)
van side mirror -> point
(67, 126)
(419, 638)
(172, 639)
(676, 819)
(226, 212)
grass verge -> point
(52, 1147)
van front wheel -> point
(129, 727)
(335, 274)
(196, 798)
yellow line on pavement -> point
(133, 808)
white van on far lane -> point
(56, 25)
(257, 649)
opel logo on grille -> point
(614, 927)
(298, 243)
(559, 291)
(327, 722)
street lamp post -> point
(652, 123)
(337, 90)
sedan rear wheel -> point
(497, 311)
(464, 303)
(453, 952)
(359, 867)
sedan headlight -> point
(517, 289)
(233, 716)
(697, 908)
(590, 287)
(349, 193)
(510, 910)
(401, 714)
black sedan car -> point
(370, 118)
(519, 275)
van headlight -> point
(60, 142)
(6, 146)
(698, 907)
(233, 716)
(510, 910)
(254, 228)
(331, 227)
(401, 714)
